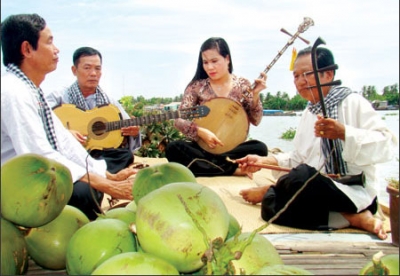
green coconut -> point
(47, 244)
(156, 176)
(96, 242)
(131, 206)
(259, 253)
(34, 189)
(382, 264)
(14, 252)
(177, 221)
(121, 213)
(135, 263)
(234, 227)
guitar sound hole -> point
(99, 128)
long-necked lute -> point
(227, 118)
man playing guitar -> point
(86, 94)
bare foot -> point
(254, 195)
(366, 221)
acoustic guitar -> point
(102, 125)
(227, 119)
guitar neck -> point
(144, 120)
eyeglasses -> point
(305, 75)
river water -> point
(272, 127)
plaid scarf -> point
(332, 100)
(76, 97)
(44, 109)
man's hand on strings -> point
(329, 128)
(130, 131)
(209, 138)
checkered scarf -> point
(76, 97)
(44, 109)
(332, 100)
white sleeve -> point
(367, 138)
(25, 127)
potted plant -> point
(393, 190)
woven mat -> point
(248, 215)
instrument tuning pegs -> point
(289, 34)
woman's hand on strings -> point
(261, 84)
(209, 138)
(329, 128)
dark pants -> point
(211, 164)
(310, 209)
(116, 159)
(88, 199)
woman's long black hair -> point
(218, 44)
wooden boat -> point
(340, 252)
(277, 112)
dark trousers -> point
(209, 164)
(310, 209)
(116, 159)
(88, 199)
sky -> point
(150, 47)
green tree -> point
(391, 94)
(297, 103)
(369, 92)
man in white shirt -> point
(360, 139)
(28, 125)
(87, 94)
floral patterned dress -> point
(200, 91)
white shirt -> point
(367, 142)
(59, 97)
(22, 131)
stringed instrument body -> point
(102, 125)
(228, 121)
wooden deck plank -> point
(332, 258)
(321, 258)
